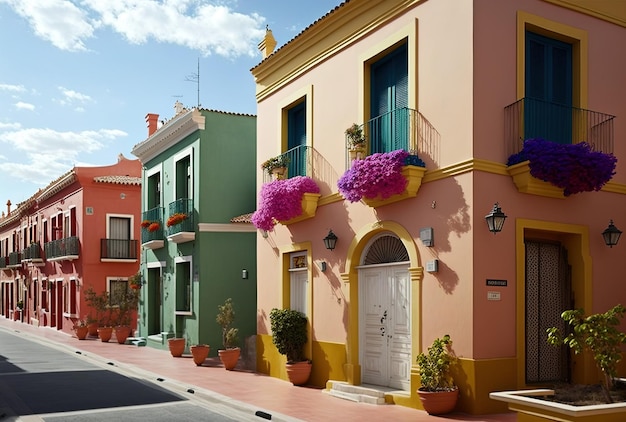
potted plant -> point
(356, 141)
(81, 329)
(176, 218)
(176, 346)
(289, 335)
(281, 200)
(127, 302)
(18, 310)
(438, 392)
(229, 355)
(135, 281)
(199, 352)
(99, 302)
(276, 166)
(145, 224)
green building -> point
(198, 178)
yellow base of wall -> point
(475, 378)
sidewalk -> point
(244, 389)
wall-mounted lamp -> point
(264, 234)
(321, 265)
(244, 274)
(330, 240)
(495, 219)
(611, 235)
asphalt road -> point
(41, 383)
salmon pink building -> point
(446, 96)
(79, 232)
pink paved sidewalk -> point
(257, 390)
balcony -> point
(180, 223)
(152, 234)
(118, 250)
(32, 254)
(66, 249)
(529, 118)
(15, 260)
(298, 161)
(4, 262)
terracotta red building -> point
(80, 231)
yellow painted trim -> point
(580, 52)
(406, 35)
(576, 239)
(350, 278)
(611, 11)
(285, 251)
(302, 94)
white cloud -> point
(12, 88)
(60, 22)
(71, 97)
(10, 126)
(195, 24)
(58, 150)
(20, 105)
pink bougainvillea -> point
(377, 175)
(281, 200)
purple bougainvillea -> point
(571, 167)
(377, 175)
(281, 200)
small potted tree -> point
(104, 313)
(356, 141)
(289, 335)
(438, 391)
(276, 166)
(229, 355)
(81, 329)
(127, 302)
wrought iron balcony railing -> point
(299, 159)
(15, 259)
(118, 249)
(529, 118)
(402, 128)
(62, 249)
(32, 252)
(154, 216)
(182, 207)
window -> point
(298, 281)
(548, 97)
(69, 297)
(117, 288)
(183, 178)
(388, 127)
(183, 284)
(154, 191)
(118, 240)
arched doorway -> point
(385, 312)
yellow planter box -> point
(309, 207)
(526, 183)
(414, 175)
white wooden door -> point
(385, 326)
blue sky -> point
(77, 77)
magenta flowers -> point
(281, 200)
(377, 175)
(572, 167)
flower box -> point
(309, 206)
(526, 183)
(414, 176)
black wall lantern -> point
(611, 235)
(495, 219)
(330, 240)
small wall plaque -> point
(497, 283)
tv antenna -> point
(195, 77)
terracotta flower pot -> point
(105, 333)
(81, 332)
(200, 352)
(122, 332)
(229, 357)
(438, 402)
(177, 346)
(92, 329)
(299, 372)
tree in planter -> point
(127, 301)
(289, 335)
(99, 302)
(225, 319)
(597, 334)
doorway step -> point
(357, 393)
(136, 341)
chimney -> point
(9, 208)
(267, 45)
(151, 121)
